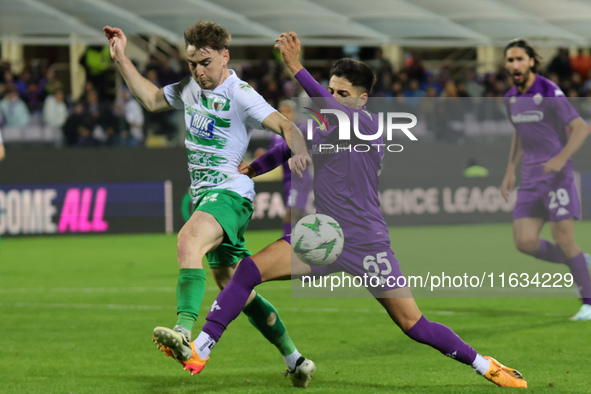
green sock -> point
(263, 315)
(189, 293)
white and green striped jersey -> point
(219, 123)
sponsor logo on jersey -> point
(528, 117)
(202, 126)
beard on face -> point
(520, 79)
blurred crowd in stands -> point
(35, 108)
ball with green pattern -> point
(317, 240)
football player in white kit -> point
(221, 111)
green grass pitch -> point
(77, 313)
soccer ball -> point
(317, 240)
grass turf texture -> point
(77, 315)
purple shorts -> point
(370, 261)
(297, 199)
(297, 191)
(550, 200)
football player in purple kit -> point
(345, 183)
(540, 113)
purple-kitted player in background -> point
(296, 190)
(540, 113)
(346, 188)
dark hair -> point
(204, 34)
(358, 73)
(521, 43)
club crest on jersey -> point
(537, 99)
(202, 126)
(216, 103)
(219, 103)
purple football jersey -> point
(345, 181)
(540, 116)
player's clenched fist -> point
(117, 41)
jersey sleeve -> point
(276, 140)
(314, 89)
(1, 141)
(251, 105)
(562, 107)
(173, 93)
(271, 159)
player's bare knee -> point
(568, 247)
(407, 323)
(267, 276)
(188, 255)
(527, 245)
(183, 248)
(562, 239)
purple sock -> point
(578, 267)
(549, 252)
(286, 228)
(229, 303)
(443, 339)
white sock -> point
(481, 365)
(203, 345)
(291, 359)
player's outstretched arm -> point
(2, 151)
(290, 46)
(151, 97)
(576, 140)
(514, 156)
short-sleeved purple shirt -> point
(540, 116)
